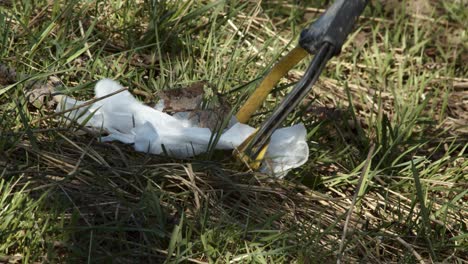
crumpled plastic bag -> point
(150, 130)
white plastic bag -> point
(129, 121)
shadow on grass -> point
(102, 202)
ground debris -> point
(40, 93)
(207, 109)
(7, 75)
(182, 99)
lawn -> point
(386, 180)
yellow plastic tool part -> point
(255, 100)
(253, 163)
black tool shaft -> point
(290, 102)
(333, 26)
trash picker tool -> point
(324, 38)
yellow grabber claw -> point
(241, 155)
(257, 98)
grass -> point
(386, 179)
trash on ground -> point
(183, 134)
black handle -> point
(333, 26)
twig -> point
(86, 42)
(353, 203)
(410, 248)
